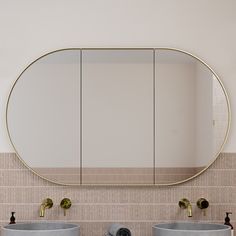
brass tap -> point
(65, 204)
(185, 204)
(202, 204)
(46, 204)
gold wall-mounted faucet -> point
(46, 204)
(184, 203)
(65, 204)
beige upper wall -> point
(32, 28)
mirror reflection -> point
(43, 116)
(191, 116)
(118, 116)
(117, 128)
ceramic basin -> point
(41, 229)
(191, 229)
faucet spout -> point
(185, 204)
(42, 210)
(189, 209)
(46, 204)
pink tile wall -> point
(118, 175)
(94, 208)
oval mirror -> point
(118, 116)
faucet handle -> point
(65, 204)
(202, 203)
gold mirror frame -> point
(136, 48)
